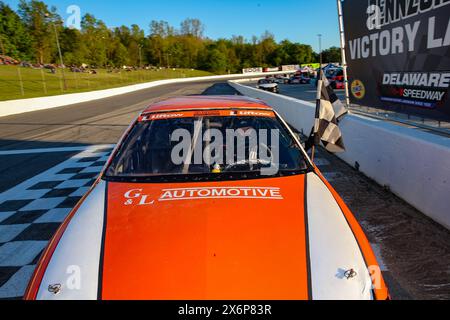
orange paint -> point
(207, 102)
(206, 248)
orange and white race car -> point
(209, 198)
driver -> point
(247, 133)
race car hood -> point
(276, 238)
(229, 240)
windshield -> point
(190, 147)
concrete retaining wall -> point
(415, 165)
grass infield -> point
(21, 83)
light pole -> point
(140, 56)
(320, 49)
(47, 15)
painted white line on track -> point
(42, 150)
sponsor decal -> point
(250, 113)
(139, 198)
(422, 89)
(135, 196)
(358, 89)
(165, 116)
(399, 50)
(390, 40)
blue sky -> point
(296, 20)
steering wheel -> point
(251, 162)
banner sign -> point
(252, 70)
(291, 67)
(274, 69)
(398, 54)
(311, 65)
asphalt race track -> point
(48, 159)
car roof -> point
(206, 103)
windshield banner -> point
(207, 113)
(398, 54)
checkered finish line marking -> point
(32, 211)
(43, 150)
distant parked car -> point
(300, 80)
(8, 60)
(281, 80)
(337, 79)
(268, 85)
(26, 64)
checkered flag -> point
(329, 109)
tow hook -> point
(349, 274)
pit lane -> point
(414, 251)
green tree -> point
(96, 37)
(192, 27)
(35, 15)
(280, 55)
(267, 46)
(30, 33)
(160, 34)
(73, 47)
(214, 59)
(120, 56)
(135, 45)
(15, 41)
(332, 54)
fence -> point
(19, 82)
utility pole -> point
(168, 61)
(344, 59)
(59, 51)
